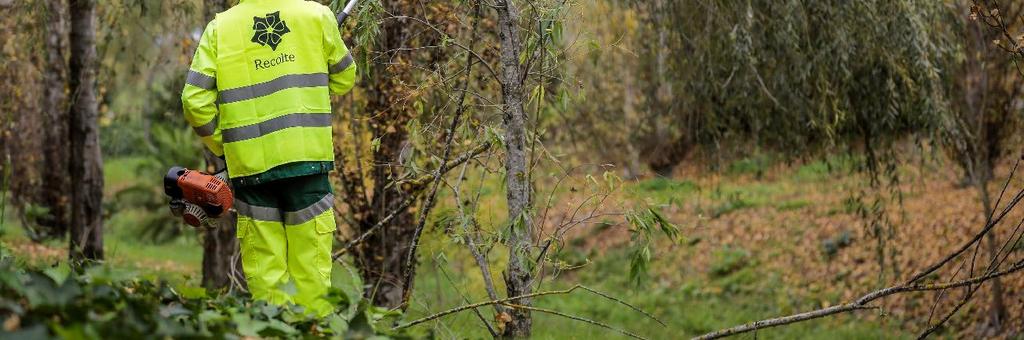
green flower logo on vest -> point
(269, 30)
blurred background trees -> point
(721, 78)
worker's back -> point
(274, 63)
(258, 93)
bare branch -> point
(977, 237)
(577, 318)
(409, 201)
(466, 300)
(505, 302)
(452, 41)
(410, 261)
(624, 303)
(415, 184)
(405, 204)
(859, 304)
(484, 303)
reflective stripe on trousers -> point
(288, 217)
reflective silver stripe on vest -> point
(207, 129)
(201, 80)
(343, 64)
(281, 83)
(276, 124)
(257, 212)
(309, 213)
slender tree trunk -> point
(222, 264)
(86, 160)
(997, 312)
(518, 278)
(55, 148)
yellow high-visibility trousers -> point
(286, 234)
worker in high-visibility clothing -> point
(258, 94)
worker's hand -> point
(177, 207)
(222, 175)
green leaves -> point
(670, 230)
(190, 292)
(108, 303)
(247, 326)
(58, 273)
(644, 227)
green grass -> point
(726, 198)
(177, 260)
(756, 165)
(796, 204)
(122, 229)
(119, 172)
(729, 260)
(813, 171)
(667, 186)
(698, 303)
(662, 190)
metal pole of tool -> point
(345, 12)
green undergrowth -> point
(105, 302)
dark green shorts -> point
(287, 194)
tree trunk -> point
(222, 263)
(381, 257)
(997, 312)
(368, 174)
(663, 147)
(212, 7)
(222, 260)
(55, 148)
(86, 160)
(518, 278)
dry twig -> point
(859, 304)
(506, 301)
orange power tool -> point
(196, 196)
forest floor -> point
(760, 240)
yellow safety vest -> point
(258, 91)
